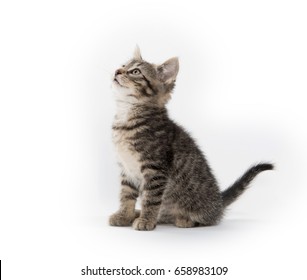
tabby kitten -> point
(159, 161)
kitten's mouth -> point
(117, 82)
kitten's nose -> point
(119, 71)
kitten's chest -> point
(127, 156)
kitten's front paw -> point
(120, 220)
(143, 224)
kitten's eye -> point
(123, 66)
(135, 72)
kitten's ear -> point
(167, 72)
(137, 53)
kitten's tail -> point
(239, 186)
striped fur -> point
(160, 162)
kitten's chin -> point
(120, 92)
(116, 86)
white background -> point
(240, 92)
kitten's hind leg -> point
(166, 216)
(183, 221)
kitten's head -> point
(140, 82)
